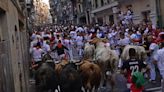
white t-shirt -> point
(92, 30)
(46, 48)
(79, 29)
(37, 54)
(99, 35)
(33, 36)
(42, 34)
(33, 43)
(73, 34)
(79, 40)
(47, 35)
(160, 59)
(66, 42)
(124, 42)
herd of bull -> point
(98, 68)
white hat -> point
(127, 30)
(153, 46)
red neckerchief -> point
(59, 45)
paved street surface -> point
(149, 87)
(32, 85)
(154, 87)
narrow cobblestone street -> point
(82, 45)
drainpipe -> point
(159, 17)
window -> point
(111, 19)
(102, 2)
(108, 1)
(96, 4)
(105, 2)
(79, 8)
(100, 20)
(146, 16)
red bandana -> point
(59, 45)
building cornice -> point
(115, 3)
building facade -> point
(107, 11)
(83, 11)
(61, 11)
(142, 10)
(30, 15)
(161, 12)
(13, 46)
(42, 14)
(102, 11)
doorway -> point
(146, 16)
(111, 19)
(100, 20)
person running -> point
(60, 50)
(68, 42)
(131, 66)
(160, 62)
(37, 53)
(80, 44)
(46, 47)
(150, 60)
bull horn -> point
(49, 61)
(79, 63)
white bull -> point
(105, 58)
(89, 51)
(141, 53)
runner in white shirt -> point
(80, 29)
(160, 62)
(46, 47)
(73, 34)
(79, 41)
(37, 53)
(68, 42)
(33, 36)
(150, 60)
(98, 34)
(124, 40)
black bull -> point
(69, 81)
(46, 79)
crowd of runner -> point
(65, 41)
